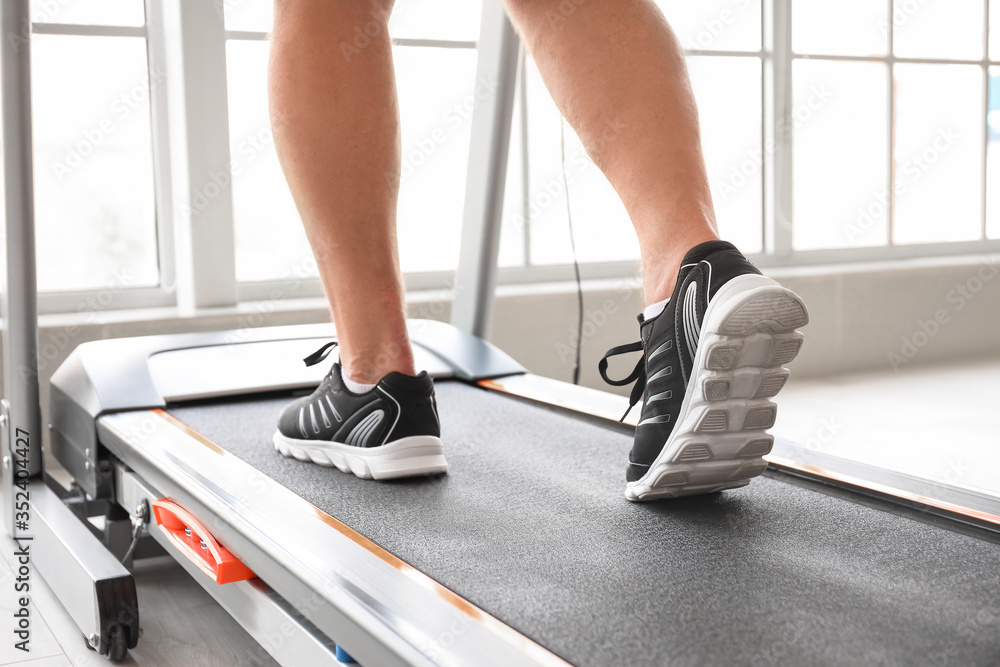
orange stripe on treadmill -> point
(882, 488)
(494, 625)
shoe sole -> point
(407, 457)
(748, 334)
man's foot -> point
(391, 431)
(711, 360)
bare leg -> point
(335, 118)
(617, 73)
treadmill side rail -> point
(379, 609)
(281, 631)
(96, 590)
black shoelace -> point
(638, 374)
(320, 354)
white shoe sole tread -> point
(748, 333)
(407, 457)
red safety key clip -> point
(187, 534)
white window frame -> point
(190, 126)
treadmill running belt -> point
(531, 525)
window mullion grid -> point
(202, 172)
(984, 175)
(890, 105)
(156, 60)
(777, 134)
(522, 89)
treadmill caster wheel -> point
(344, 657)
(117, 647)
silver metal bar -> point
(20, 307)
(434, 43)
(984, 179)
(475, 278)
(281, 631)
(158, 51)
(778, 132)
(522, 92)
(890, 130)
(94, 588)
(381, 610)
(259, 36)
(725, 54)
(248, 35)
(889, 59)
(88, 30)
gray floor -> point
(181, 624)
(175, 610)
(724, 579)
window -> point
(95, 204)
(832, 132)
(895, 152)
(436, 70)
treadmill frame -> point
(94, 587)
(329, 581)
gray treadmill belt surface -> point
(530, 524)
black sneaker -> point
(391, 431)
(711, 360)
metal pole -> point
(496, 77)
(778, 128)
(22, 452)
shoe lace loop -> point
(638, 374)
(320, 354)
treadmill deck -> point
(531, 525)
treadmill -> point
(525, 553)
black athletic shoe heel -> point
(391, 431)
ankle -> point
(369, 369)
(659, 272)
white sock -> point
(652, 311)
(355, 387)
